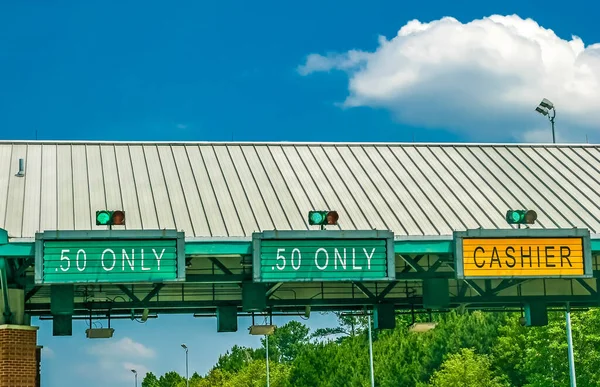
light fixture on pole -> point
(265, 330)
(544, 108)
(135, 373)
(187, 379)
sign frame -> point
(524, 233)
(115, 235)
(257, 237)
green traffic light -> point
(322, 218)
(102, 218)
(316, 217)
(521, 216)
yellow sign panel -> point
(526, 257)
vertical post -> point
(4, 288)
(136, 379)
(570, 343)
(371, 353)
(553, 137)
(267, 347)
(187, 377)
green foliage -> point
(150, 380)
(236, 359)
(465, 349)
(466, 369)
(171, 379)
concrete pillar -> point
(19, 363)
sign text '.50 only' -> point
(321, 258)
(110, 259)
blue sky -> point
(282, 71)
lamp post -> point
(544, 108)
(135, 373)
(371, 353)
(187, 379)
(572, 376)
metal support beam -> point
(129, 293)
(435, 265)
(476, 287)
(23, 268)
(364, 290)
(412, 263)
(153, 292)
(273, 288)
(32, 293)
(217, 278)
(587, 287)
(387, 290)
(220, 265)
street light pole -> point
(570, 348)
(544, 108)
(187, 379)
(267, 350)
(135, 373)
(552, 122)
(371, 353)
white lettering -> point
(130, 262)
(62, 258)
(296, 250)
(317, 258)
(144, 268)
(84, 260)
(158, 258)
(354, 260)
(279, 256)
(369, 257)
(114, 259)
(338, 255)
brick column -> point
(18, 358)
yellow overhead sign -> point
(523, 256)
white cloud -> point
(124, 348)
(48, 353)
(114, 360)
(482, 79)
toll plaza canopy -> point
(429, 218)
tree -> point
(285, 342)
(150, 380)
(171, 379)
(466, 369)
(236, 359)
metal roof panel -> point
(233, 189)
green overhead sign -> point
(323, 255)
(109, 256)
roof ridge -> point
(304, 143)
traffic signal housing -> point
(521, 216)
(322, 218)
(110, 218)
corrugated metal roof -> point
(234, 189)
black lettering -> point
(496, 259)
(525, 256)
(512, 257)
(564, 255)
(538, 251)
(549, 256)
(475, 256)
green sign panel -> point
(323, 255)
(109, 256)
